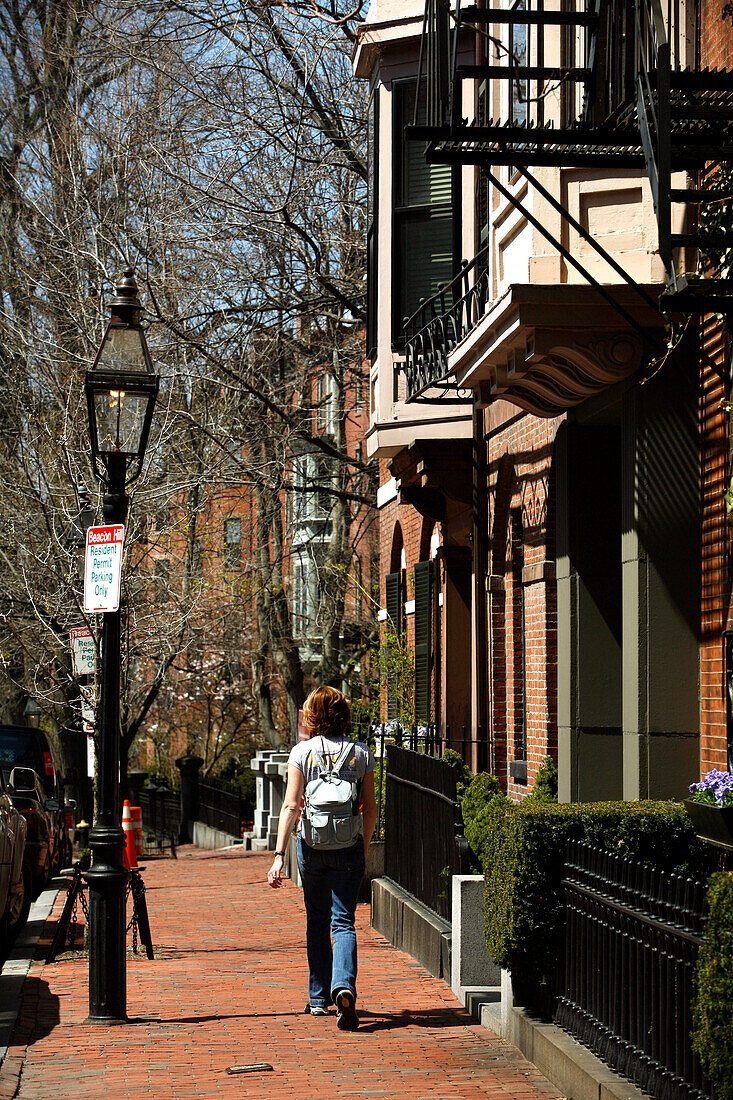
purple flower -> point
(715, 787)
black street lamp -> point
(121, 389)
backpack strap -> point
(343, 756)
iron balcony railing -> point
(441, 322)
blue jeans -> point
(331, 881)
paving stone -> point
(228, 987)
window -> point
(518, 51)
(231, 633)
(332, 404)
(321, 398)
(163, 515)
(358, 394)
(395, 593)
(161, 580)
(518, 648)
(299, 596)
(232, 543)
(358, 590)
(307, 590)
(424, 231)
(423, 575)
(372, 191)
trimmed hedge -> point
(523, 854)
(712, 1037)
(475, 805)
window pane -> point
(426, 248)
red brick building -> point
(563, 453)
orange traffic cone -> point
(137, 828)
(129, 835)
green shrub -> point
(545, 785)
(713, 1009)
(524, 853)
(475, 804)
(464, 775)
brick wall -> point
(716, 50)
(521, 494)
(715, 609)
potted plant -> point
(710, 807)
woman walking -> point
(337, 776)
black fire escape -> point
(599, 84)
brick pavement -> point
(227, 987)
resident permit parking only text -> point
(103, 568)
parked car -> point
(29, 747)
(43, 838)
(15, 878)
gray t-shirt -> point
(360, 762)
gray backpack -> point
(331, 817)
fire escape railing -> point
(653, 106)
(628, 92)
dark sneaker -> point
(316, 1010)
(346, 1018)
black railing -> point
(223, 808)
(653, 105)
(441, 322)
(161, 814)
(424, 842)
(632, 939)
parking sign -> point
(103, 568)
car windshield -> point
(18, 747)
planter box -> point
(711, 823)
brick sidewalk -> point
(228, 986)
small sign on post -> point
(87, 709)
(103, 568)
(90, 756)
(82, 651)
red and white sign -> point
(303, 732)
(82, 651)
(103, 568)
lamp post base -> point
(107, 880)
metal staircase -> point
(600, 83)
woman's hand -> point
(275, 874)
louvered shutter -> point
(395, 610)
(423, 231)
(394, 601)
(423, 631)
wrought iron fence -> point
(430, 739)
(632, 939)
(424, 842)
(223, 808)
(161, 813)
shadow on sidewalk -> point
(370, 1021)
(430, 1017)
(39, 1012)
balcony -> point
(615, 86)
(543, 348)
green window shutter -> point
(395, 608)
(395, 611)
(423, 227)
(423, 627)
